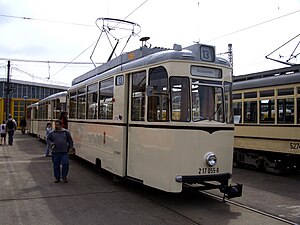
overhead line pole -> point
(230, 55)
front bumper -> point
(220, 182)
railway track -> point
(180, 207)
(228, 201)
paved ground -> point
(278, 195)
(28, 196)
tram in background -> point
(267, 120)
(32, 118)
(46, 110)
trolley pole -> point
(7, 90)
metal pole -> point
(7, 89)
(230, 55)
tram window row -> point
(96, 100)
(267, 106)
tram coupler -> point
(231, 191)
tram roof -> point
(145, 56)
(289, 75)
(59, 95)
(33, 105)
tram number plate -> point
(208, 170)
(294, 145)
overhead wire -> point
(42, 61)
(255, 25)
(136, 9)
(78, 24)
(33, 76)
(73, 60)
(44, 20)
(60, 22)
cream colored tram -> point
(32, 122)
(267, 120)
(159, 116)
(46, 110)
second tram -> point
(46, 110)
(267, 120)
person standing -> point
(64, 119)
(60, 141)
(11, 126)
(23, 125)
(48, 130)
(3, 133)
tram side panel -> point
(157, 156)
(100, 142)
(272, 148)
(275, 139)
(34, 127)
(103, 142)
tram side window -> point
(106, 96)
(267, 111)
(48, 110)
(92, 105)
(180, 101)
(285, 110)
(28, 113)
(62, 107)
(237, 111)
(158, 102)
(138, 96)
(286, 91)
(267, 93)
(72, 106)
(237, 96)
(250, 94)
(45, 111)
(250, 112)
(81, 103)
(34, 113)
(56, 108)
(39, 112)
(42, 111)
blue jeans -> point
(47, 148)
(11, 137)
(60, 158)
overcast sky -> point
(65, 30)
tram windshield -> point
(207, 102)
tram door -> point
(148, 105)
(136, 118)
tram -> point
(162, 117)
(267, 120)
(46, 110)
(159, 116)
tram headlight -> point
(211, 159)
